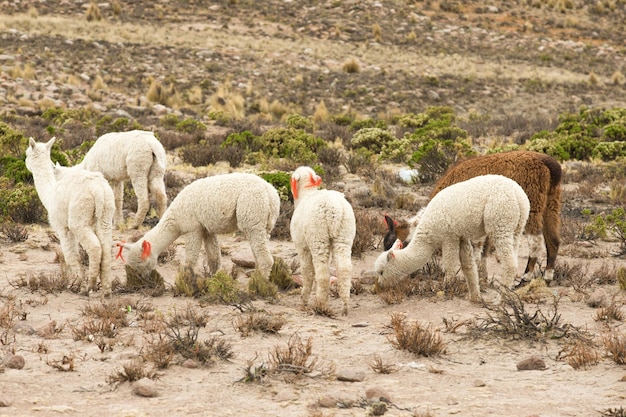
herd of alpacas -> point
(479, 203)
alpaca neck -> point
(302, 195)
(164, 233)
(45, 184)
(413, 257)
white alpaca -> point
(137, 156)
(207, 207)
(490, 206)
(322, 226)
(80, 207)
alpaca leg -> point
(91, 244)
(103, 232)
(551, 236)
(534, 249)
(260, 246)
(450, 260)
(157, 190)
(69, 246)
(212, 249)
(481, 250)
(308, 274)
(118, 193)
(470, 269)
(506, 252)
(140, 185)
(321, 260)
(342, 255)
(193, 244)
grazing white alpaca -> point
(322, 226)
(80, 207)
(491, 206)
(137, 156)
(207, 207)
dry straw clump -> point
(414, 337)
(579, 354)
(351, 66)
(93, 13)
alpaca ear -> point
(315, 179)
(397, 244)
(32, 143)
(390, 255)
(294, 187)
(147, 249)
(50, 143)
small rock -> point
(598, 298)
(361, 324)
(47, 331)
(145, 387)
(479, 383)
(533, 363)
(24, 328)
(328, 401)
(376, 394)
(243, 259)
(4, 402)
(285, 395)
(349, 375)
(191, 364)
(13, 361)
(378, 409)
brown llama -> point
(538, 174)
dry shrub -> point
(510, 319)
(379, 366)
(65, 364)
(579, 354)
(167, 96)
(282, 229)
(369, 228)
(114, 311)
(296, 358)
(266, 322)
(9, 312)
(14, 232)
(91, 328)
(253, 373)
(574, 275)
(322, 309)
(228, 102)
(321, 114)
(605, 274)
(131, 371)
(183, 330)
(414, 337)
(610, 313)
(615, 347)
(41, 283)
(620, 276)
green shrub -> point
(281, 181)
(191, 126)
(609, 151)
(372, 139)
(221, 287)
(433, 157)
(342, 119)
(296, 121)
(59, 117)
(15, 169)
(169, 121)
(368, 124)
(21, 204)
(261, 286)
(295, 144)
(201, 154)
(12, 142)
(412, 120)
(245, 140)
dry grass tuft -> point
(254, 373)
(247, 323)
(296, 358)
(261, 286)
(610, 313)
(322, 309)
(579, 354)
(369, 228)
(41, 283)
(281, 275)
(379, 366)
(351, 66)
(65, 364)
(93, 13)
(154, 284)
(14, 232)
(131, 371)
(417, 339)
(615, 347)
(321, 114)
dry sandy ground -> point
(474, 377)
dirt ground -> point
(473, 377)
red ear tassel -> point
(119, 252)
(294, 188)
(147, 249)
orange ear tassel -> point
(119, 252)
(294, 188)
(147, 249)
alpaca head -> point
(139, 257)
(385, 266)
(304, 178)
(38, 154)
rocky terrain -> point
(508, 69)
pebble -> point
(533, 363)
(349, 375)
(145, 387)
(13, 361)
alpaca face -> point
(385, 266)
(140, 259)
